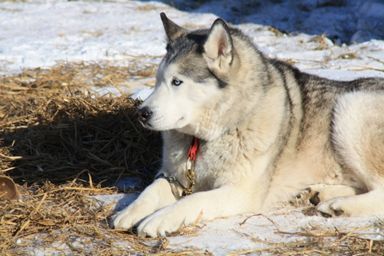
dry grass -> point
(63, 217)
(49, 209)
(78, 76)
(318, 241)
(63, 144)
(52, 128)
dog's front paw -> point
(332, 208)
(128, 217)
(162, 222)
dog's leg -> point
(220, 202)
(155, 196)
(317, 193)
(358, 138)
(368, 204)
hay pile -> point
(53, 129)
(63, 144)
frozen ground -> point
(253, 233)
(44, 33)
(341, 20)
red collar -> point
(193, 149)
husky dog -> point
(267, 133)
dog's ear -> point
(172, 30)
(218, 49)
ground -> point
(69, 138)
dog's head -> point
(190, 79)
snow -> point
(341, 20)
(41, 34)
(44, 33)
(254, 232)
(219, 239)
(141, 94)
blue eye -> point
(176, 82)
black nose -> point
(145, 114)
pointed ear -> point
(219, 48)
(172, 30)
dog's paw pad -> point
(306, 197)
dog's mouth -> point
(151, 125)
(145, 124)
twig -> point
(12, 158)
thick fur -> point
(268, 131)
